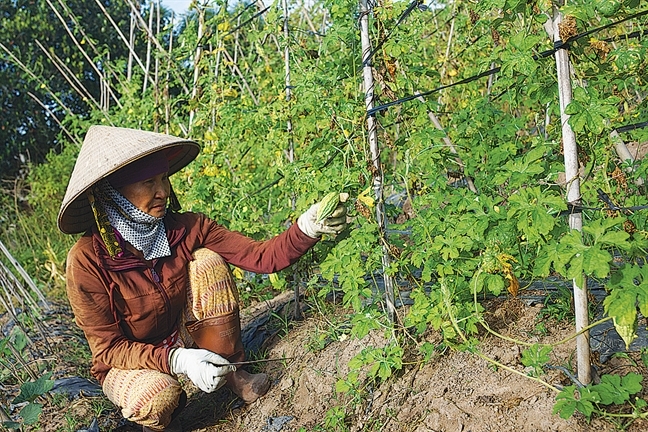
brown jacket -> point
(126, 306)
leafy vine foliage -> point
(447, 241)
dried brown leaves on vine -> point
(567, 28)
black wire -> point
(557, 45)
(634, 34)
(610, 206)
(248, 6)
(632, 127)
(404, 15)
(244, 23)
(429, 92)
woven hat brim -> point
(75, 215)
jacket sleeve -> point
(266, 256)
(90, 297)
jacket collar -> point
(175, 232)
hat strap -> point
(106, 230)
(174, 203)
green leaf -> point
(31, 412)
(632, 382)
(621, 305)
(614, 389)
(544, 259)
(341, 386)
(536, 356)
(566, 402)
(30, 390)
(494, 283)
(597, 262)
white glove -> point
(332, 225)
(200, 366)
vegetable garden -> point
(486, 147)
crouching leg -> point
(217, 326)
(147, 397)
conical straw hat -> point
(105, 150)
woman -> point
(150, 286)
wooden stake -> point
(570, 151)
(372, 132)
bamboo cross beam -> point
(28, 71)
(73, 138)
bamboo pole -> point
(131, 50)
(49, 111)
(200, 9)
(167, 79)
(128, 44)
(16, 289)
(25, 276)
(77, 44)
(624, 154)
(236, 69)
(449, 44)
(156, 78)
(148, 50)
(97, 53)
(24, 68)
(309, 21)
(286, 33)
(291, 147)
(7, 287)
(69, 76)
(570, 152)
(446, 139)
(157, 44)
(372, 133)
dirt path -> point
(455, 391)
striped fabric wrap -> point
(145, 396)
(213, 289)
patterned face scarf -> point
(147, 233)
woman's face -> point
(149, 195)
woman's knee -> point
(146, 397)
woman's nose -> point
(162, 189)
